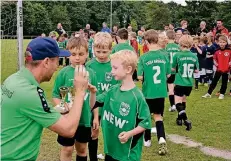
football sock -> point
(171, 100)
(81, 158)
(93, 147)
(160, 129)
(147, 135)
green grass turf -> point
(210, 119)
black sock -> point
(196, 83)
(160, 129)
(184, 105)
(93, 147)
(80, 158)
(147, 135)
(171, 100)
(179, 108)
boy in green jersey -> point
(123, 43)
(153, 69)
(101, 65)
(79, 53)
(125, 114)
(186, 63)
(172, 48)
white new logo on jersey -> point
(104, 86)
(118, 122)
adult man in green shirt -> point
(25, 111)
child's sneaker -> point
(162, 146)
(188, 125)
(179, 122)
(100, 156)
(221, 97)
(206, 96)
(172, 108)
(147, 143)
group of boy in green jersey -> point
(121, 108)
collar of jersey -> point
(29, 76)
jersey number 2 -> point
(155, 80)
(188, 70)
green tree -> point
(35, 19)
(157, 15)
(59, 14)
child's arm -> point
(199, 50)
(124, 136)
(93, 91)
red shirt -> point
(222, 59)
(134, 44)
(145, 48)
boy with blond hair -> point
(125, 114)
(153, 69)
(101, 65)
(171, 48)
(79, 53)
(186, 63)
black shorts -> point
(82, 135)
(109, 158)
(156, 105)
(182, 90)
(171, 79)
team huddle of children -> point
(119, 107)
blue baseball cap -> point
(43, 47)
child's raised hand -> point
(92, 88)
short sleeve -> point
(59, 82)
(174, 62)
(144, 114)
(140, 69)
(36, 108)
(168, 66)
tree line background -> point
(42, 17)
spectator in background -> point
(87, 30)
(166, 28)
(105, 28)
(115, 28)
(60, 29)
(54, 35)
(133, 42)
(202, 29)
(142, 29)
(171, 26)
(129, 28)
(43, 35)
(184, 25)
(178, 36)
(220, 29)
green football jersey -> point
(172, 49)
(66, 78)
(122, 46)
(103, 73)
(185, 62)
(123, 111)
(104, 77)
(154, 67)
(62, 45)
(24, 114)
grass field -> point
(210, 119)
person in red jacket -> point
(220, 29)
(222, 60)
(133, 41)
